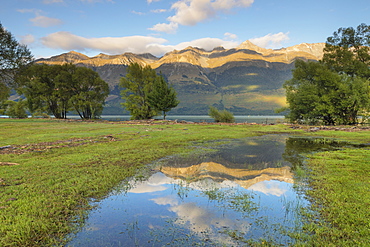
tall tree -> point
(317, 94)
(43, 85)
(163, 97)
(89, 93)
(335, 90)
(137, 84)
(348, 51)
(13, 57)
(58, 89)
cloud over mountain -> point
(191, 12)
(135, 44)
(271, 40)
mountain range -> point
(246, 80)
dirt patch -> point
(44, 146)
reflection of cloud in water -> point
(153, 184)
(274, 188)
(144, 187)
(166, 200)
(159, 178)
(157, 181)
(201, 220)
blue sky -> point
(52, 27)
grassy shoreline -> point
(58, 166)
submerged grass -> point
(58, 167)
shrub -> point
(15, 109)
(221, 116)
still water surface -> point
(229, 195)
(204, 118)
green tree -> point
(57, 89)
(317, 94)
(15, 109)
(336, 89)
(348, 51)
(163, 97)
(43, 85)
(89, 93)
(137, 84)
(13, 57)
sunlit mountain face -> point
(244, 80)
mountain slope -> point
(245, 80)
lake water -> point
(205, 118)
(198, 118)
(227, 195)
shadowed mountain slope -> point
(244, 80)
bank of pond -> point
(247, 192)
(72, 183)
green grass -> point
(43, 197)
(64, 165)
(341, 196)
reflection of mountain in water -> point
(254, 153)
(220, 173)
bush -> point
(221, 116)
(15, 109)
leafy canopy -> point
(57, 89)
(163, 97)
(336, 89)
(13, 57)
(145, 93)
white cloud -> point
(230, 36)
(165, 27)
(191, 12)
(52, 1)
(158, 10)
(137, 13)
(27, 39)
(40, 20)
(112, 45)
(207, 44)
(271, 40)
(97, 1)
(151, 1)
(36, 11)
(136, 44)
(44, 21)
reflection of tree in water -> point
(297, 147)
(254, 153)
(270, 156)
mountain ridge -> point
(244, 80)
(309, 51)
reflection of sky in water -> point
(165, 209)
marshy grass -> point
(59, 167)
(340, 195)
(47, 193)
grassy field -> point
(50, 170)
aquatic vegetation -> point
(63, 169)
